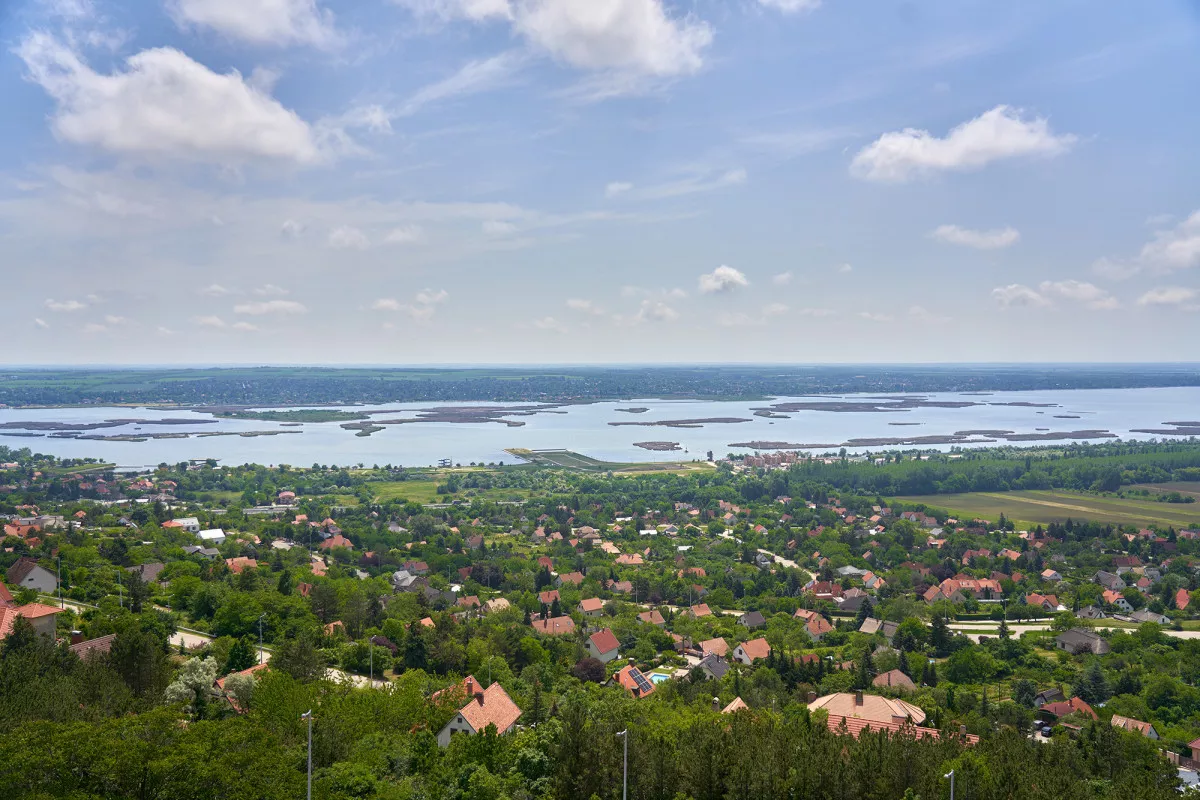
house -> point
(1046, 602)
(555, 626)
(1063, 708)
(337, 540)
(749, 652)
(817, 627)
(240, 564)
(630, 560)
(592, 607)
(603, 645)
(714, 666)
(870, 707)
(1051, 575)
(572, 578)
(91, 648)
(1052, 695)
(1182, 598)
(1149, 616)
(468, 601)
(26, 574)
(548, 597)
(213, 537)
(716, 647)
(286, 498)
(1090, 612)
(633, 681)
(186, 524)
(148, 572)
(1109, 581)
(496, 604)
(894, 679)
(805, 614)
(1117, 599)
(1082, 640)
(652, 617)
(415, 567)
(484, 707)
(700, 610)
(1134, 726)
(752, 620)
(736, 705)
(405, 581)
(872, 626)
(39, 615)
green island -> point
(292, 415)
(829, 628)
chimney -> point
(858, 698)
(469, 683)
(479, 697)
(716, 704)
(962, 731)
(812, 697)
(76, 637)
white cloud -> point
(1177, 296)
(1016, 295)
(782, 279)
(922, 314)
(271, 290)
(549, 324)
(476, 10)
(980, 240)
(41, 323)
(1175, 249)
(244, 326)
(287, 307)
(215, 290)
(817, 312)
(65, 306)
(113, 319)
(617, 187)
(845, 269)
(406, 234)
(274, 22)
(165, 331)
(386, 304)
(94, 327)
(474, 77)
(494, 227)
(584, 306)
(162, 103)
(739, 319)
(722, 279)
(209, 322)
(1088, 294)
(994, 135)
(291, 229)
(429, 297)
(791, 6)
(655, 311)
(348, 238)
(876, 317)
(704, 182)
(774, 310)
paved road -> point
(974, 630)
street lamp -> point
(308, 716)
(624, 764)
(950, 775)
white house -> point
(491, 706)
(603, 645)
(189, 524)
(27, 574)
(749, 652)
(212, 537)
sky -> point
(599, 181)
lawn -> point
(1043, 507)
(414, 491)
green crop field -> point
(1057, 506)
(413, 491)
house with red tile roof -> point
(591, 606)
(603, 645)
(628, 678)
(573, 578)
(1134, 726)
(555, 626)
(653, 617)
(1063, 708)
(336, 541)
(716, 647)
(91, 648)
(1182, 598)
(817, 627)
(549, 596)
(751, 651)
(736, 705)
(484, 707)
(700, 610)
(240, 564)
(895, 680)
(41, 616)
(630, 560)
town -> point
(657, 604)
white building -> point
(212, 537)
(491, 706)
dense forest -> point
(281, 386)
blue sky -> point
(525, 181)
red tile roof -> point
(756, 649)
(94, 647)
(605, 641)
(555, 626)
(240, 564)
(701, 610)
(9, 614)
(1062, 708)
(591, 604)
(855, 726)
(492, 706)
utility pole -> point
(260, 643)
(950, 775)
(625, 765)
(58, 577)
(308, 716)
(371, 651)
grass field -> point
(1042, 507)
(413, 491)
(1186, 488)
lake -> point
(585, 428)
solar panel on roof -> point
(639, 679)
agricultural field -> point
(1185, 488)
(573, 460)
(1044, 507)
(412, 491)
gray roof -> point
(715, 665)
(752, 619)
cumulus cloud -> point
(738, 319)
(244, 326)
(271, 290)
(348, 238)
(114, 320)
(161, 103)
(423, 307)
(280, 307)
(1175, 249)
(1001, 133)
(291, 229)
(1174, 296)
(617, 187)
(584, 307)
(873, 316)
(549, 324)
(65, 306)
(272, 22)
(791, 6)
(639, 37)
(215, 290)
(655, 311)
(429, 297)
(722, 279)
(493, 227)
(980, 240)
(816, 312)
(406, 234)
(782, 279)
(209, 322)
(386, 304)
(1016, 295)
(1088, 294)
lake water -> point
(585, 429)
